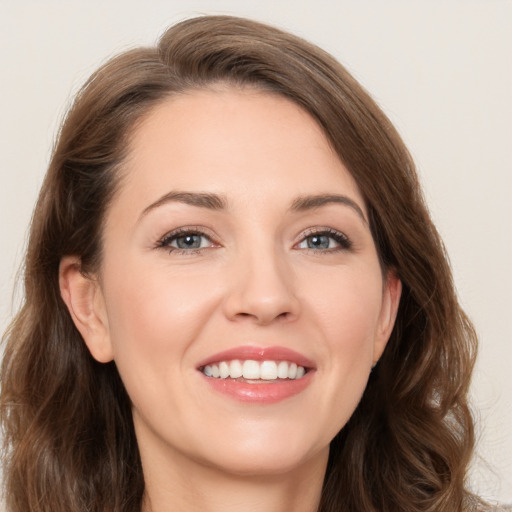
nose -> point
(262, 290)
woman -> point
(235, 297)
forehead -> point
(238, 142)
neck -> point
(191, 487)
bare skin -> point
(235, 228)
(196, 488)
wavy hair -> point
(69, 441)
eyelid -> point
(341, 238)
(345, 243)
(164, 241)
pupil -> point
(318, 242)
(189, 242)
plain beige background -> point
(442, 70)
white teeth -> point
(223, 370)
(251, 370)
(292, 371)
(235, 369)
(268, 370)
(282, 370)
(254, 370)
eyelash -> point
(165, 242)
(344, 243)
(340, 238)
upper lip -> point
(257, 353)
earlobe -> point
(388, 313)
(84, 299)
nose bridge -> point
(262, 285)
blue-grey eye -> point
(324, 241)
(190, 241)
(318, 242)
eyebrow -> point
(199, 199)
(216, 202)
(303, 203)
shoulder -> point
(489, 507)
(494, 508)
(476, 505)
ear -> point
(390, 302)
(84, 299)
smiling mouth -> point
(257, 375)
(252, 371)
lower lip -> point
(260, 392)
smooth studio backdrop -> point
(442, 71)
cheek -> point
(154, 315)
(347, 304)
(346, 311)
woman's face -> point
(238, 235)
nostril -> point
(263, 317)
(261, 300)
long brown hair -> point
(69, 441)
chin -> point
(268, 464)
(279, 454)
